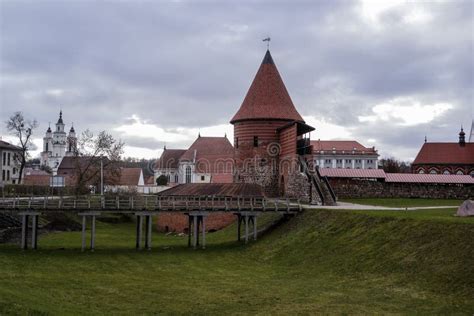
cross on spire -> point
(268, 39)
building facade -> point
(344, 155)
(446, 158)
(58, 144)
(10, 164)
(207, 160)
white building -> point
(58, 144)
(10, 164)
(344, 155)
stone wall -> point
(350, 188)
(178, 222)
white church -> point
(57, 145)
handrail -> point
(313, 180)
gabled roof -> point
(211, 153)
(267, 97)
(445, 153)
(169, 159)
(340, 145)
(129, 176)
(353, 173)
(8, 146)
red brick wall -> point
(178, 222)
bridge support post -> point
(93, 216)
(139, 232)
(25, 219)
(148, 229)
(148, 232)
(24, 232)
(197, 226)
(246, 218)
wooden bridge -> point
(144, 207)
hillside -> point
(320, 261)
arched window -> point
(47, 146)
(459, 172)
(446, 172)
(421, 171)
(176, 178)
(433, 172)
(188, 174)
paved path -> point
(352, 206)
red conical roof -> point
(267, 97)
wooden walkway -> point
(144, 207)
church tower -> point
(57, 144)
(267, 130)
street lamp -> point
(101, 175)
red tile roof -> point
(353, 173)
(212, 154)
(397, 177)
(170, 159)
(267, 97)
(340, 145)
(129, 176)
(429, 178)
(216, 189)
(445, 153)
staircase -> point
(321, 184)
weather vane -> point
(268, 41)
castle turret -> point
(266, 112)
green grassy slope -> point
(321, 261)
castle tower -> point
(267, 128)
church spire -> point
(462, 138)
(60, 121)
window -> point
(3, 175)
(168, 177)
(433, 172)
(203, 178)
(176, 178)
(8, 175)
(255, 141)
(14, 170)
(348, 160)
(4, 158)
(446, 172)
(236, 142)
(58, 128)
(188, 174)
(459, 172)
(328, 161)
(8, 160)
(370, 161)
(421, 171)
(47, 146)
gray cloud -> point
(184, 64)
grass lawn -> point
(443, 215)
(404, 202)
(319, 262)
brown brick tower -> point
(268, 131)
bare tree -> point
(22, 129)
(91, 152)
(393, 165)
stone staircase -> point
(319, 183)
(9, 221)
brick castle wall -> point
(348, 188)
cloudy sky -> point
(385, 73)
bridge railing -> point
(150, 203)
